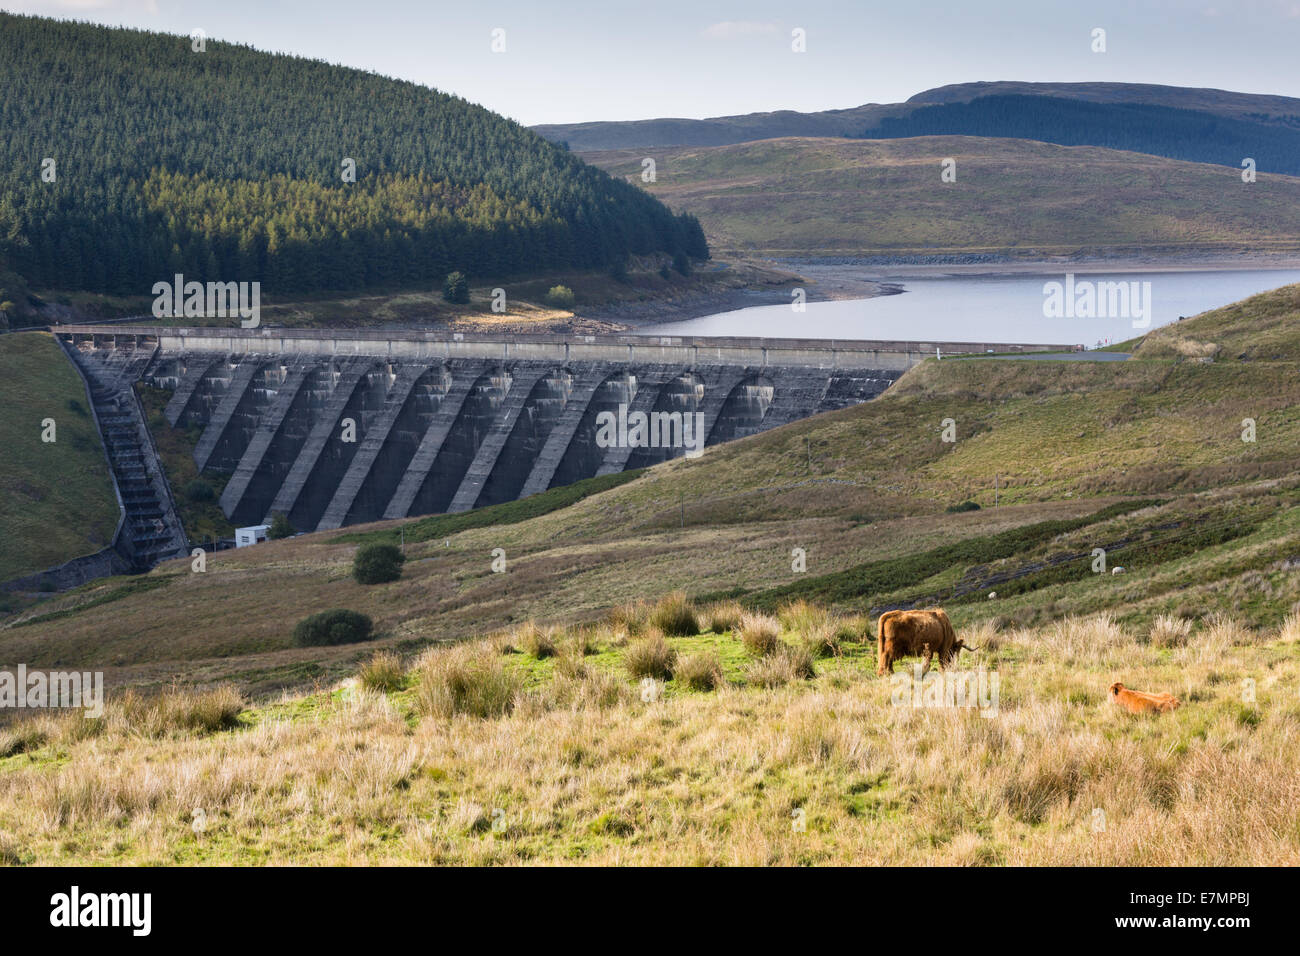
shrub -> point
(760, 634)
(280, 527)
(336, 626)
(675, 616)
(377, 563)
(559, 297)
(650, 657)
(682, 263)
(383, 672)
(964, 506)
(199, 490)
(701, 671)
(466, 680)
(665, 272)
(455, 288)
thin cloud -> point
(729, 29)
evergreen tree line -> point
(228, 165)
(1192, 135)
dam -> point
(340, 427)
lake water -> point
(993, 308)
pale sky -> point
(576, 60)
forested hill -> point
(227, 165)
(1193, 135)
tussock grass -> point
(701, 671)
(382, 673)
(510, 759)
(675, 616)
(465, 680)
(723, 616)
(650, 656)
(760, 633)
(1168, 630)
(537, 642)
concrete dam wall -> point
(338, 428)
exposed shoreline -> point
(832, 279)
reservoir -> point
(991, 308)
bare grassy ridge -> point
(825, 196)
(583, 769)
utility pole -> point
(683, 503)
(995, 490)
(808, 445)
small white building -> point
(251, 535)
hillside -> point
(539, 742)
(1192, 135)
(56, 498)
(1267, 111)
(150, 179)
(1143, 457)
(1282, 110)
(861, 197)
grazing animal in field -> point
(1140, 702)
(916, 633)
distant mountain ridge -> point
(1265, 112)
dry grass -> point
(382, 673)
(650, 656)
(701, 671)
(466, 680)
(580, 768)
(724, 616)
(760, 634)
(675, 616)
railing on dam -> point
(637, 349)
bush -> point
(682, 263)
(675, 616)
(465, 680)
(665, 272)
(455, 288)
(700, 671)
(377, 563)
(199, 490)
(650, 657)
(559, 297)
(619, 270)
(383, 672)
(964, 506)
(280, 527)
(335, 626)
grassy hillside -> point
(838, 197)
(1143, 458)
(56, 499)
(503, 717)
(503, 752)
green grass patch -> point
(56, 498)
